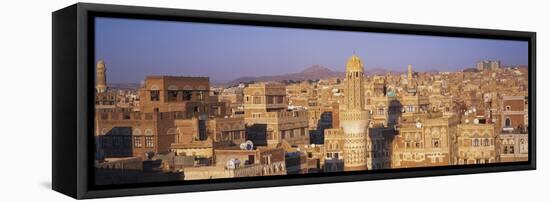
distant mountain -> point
(379, 71)
(314, 72)
(311, 73)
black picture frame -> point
(73, 100)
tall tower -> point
(411, 85)
(409, 73)
(101, 78)
(354, 117)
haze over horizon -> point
(133, 49)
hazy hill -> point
(311, 73)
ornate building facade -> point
(476, 144)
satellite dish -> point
(242, 146)
(249, 145)
(467, 121)
(418, 125)
(476, 121)
(230, 164)
(233, 163)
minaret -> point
(354, 117)
(101, 79)
(354, 81)
(411, 85)
(409, 73)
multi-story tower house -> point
(514, 129)
(268, 121)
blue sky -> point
(133, 49)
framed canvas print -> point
(154, 100)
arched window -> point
(508, 122)
(380, 110)
(486, 142)
(476, 142)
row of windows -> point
(148, 142)
(394, 110)
(436, 143)
(275, 99)
(229, 135)
(473, 161)
(270, 99)
(175, 95)
(411, 157)
(293, 133)
(204, 109)
(476, 142)
(182, 95)
(334, 146)
(256, 115)
(354, 74)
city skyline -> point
(174, 128)
(133, 49)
